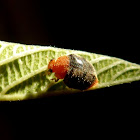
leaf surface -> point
(22, 71)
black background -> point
(105, 28)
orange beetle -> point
(75, 71)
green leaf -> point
(22, 71)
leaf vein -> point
(22, 54)
(123, 71)
(110, 66)
(20, 80)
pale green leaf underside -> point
(22, 71)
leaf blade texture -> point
(22, 71)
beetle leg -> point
(55, 79)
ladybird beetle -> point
(75, 71)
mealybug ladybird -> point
(75, 71)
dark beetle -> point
(76, 71)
